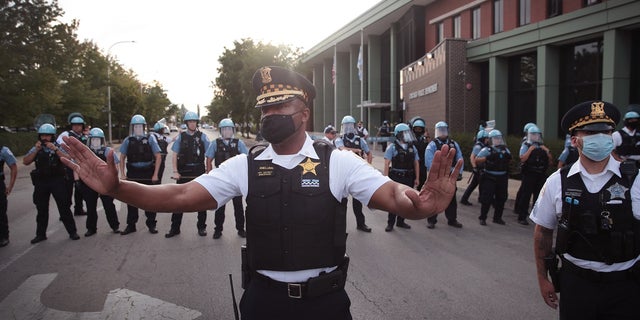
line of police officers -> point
(144, 155)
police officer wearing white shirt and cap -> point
(595, 207)
(330, 134)
(295, 190)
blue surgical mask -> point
(597, 147)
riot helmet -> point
(138, 126)
(96, 139)
(348, 128)
(534, 135)
(403, 133)
(227, 128)
(496, 138)
(441, 130)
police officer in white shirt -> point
(303, 276)
(594, 205)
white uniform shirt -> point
(548, 208)
(348, 175)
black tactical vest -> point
(452, 145)
(293, 220)
(80, 137)
(355, 144)
(101, 153)
(139, 150)
(163, 144)
(48, 164)
(404, 159)
(629, 146)
(538, 161)
(191, 149)
(590, 236)
(225, 151)
(498, 159)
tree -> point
(34, 49)
(233, 92)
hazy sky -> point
(178, 42)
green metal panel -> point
(318, 103)
(498, 91)
(615, 67)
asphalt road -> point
(471, 273)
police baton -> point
(473, 173)
(233, 297)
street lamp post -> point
(109, 86)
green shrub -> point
(19, 142)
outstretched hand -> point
(100, 176)
(438, 190)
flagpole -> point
(335, 84)
(361, 56)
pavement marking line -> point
(24, 303)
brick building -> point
(515, 61)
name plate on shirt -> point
(266, 171)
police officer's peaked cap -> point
(591, 115)
(329, 129)
(275, 85)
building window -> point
(522, 91)
(525, 12)
(498, 16)
(591, 2)
(456, 27)
(580, 74)
(439, 32)
(475, 23)
(554, 8)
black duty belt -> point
(324, 283)
(596, 276)
(402, 173)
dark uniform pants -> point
(531, 184)
(493, 192)
(4, 220)
(586, 299)
(260, 301)
(143, 176)
(42, 190)
(357, 211)
(176, 217)
(407, 180)
(238, 212)
(91, 198)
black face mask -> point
(350, 135)
(632, 125)
(277, 127)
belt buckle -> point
(294, 290)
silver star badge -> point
(617, 191)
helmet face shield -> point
(348, 128)
(442, 132)
(406, 136)
(534, 137)
(227, 132)
(96, 143)
(137, 130)
(497, 141)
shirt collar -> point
(307, 150)
(613, 165)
